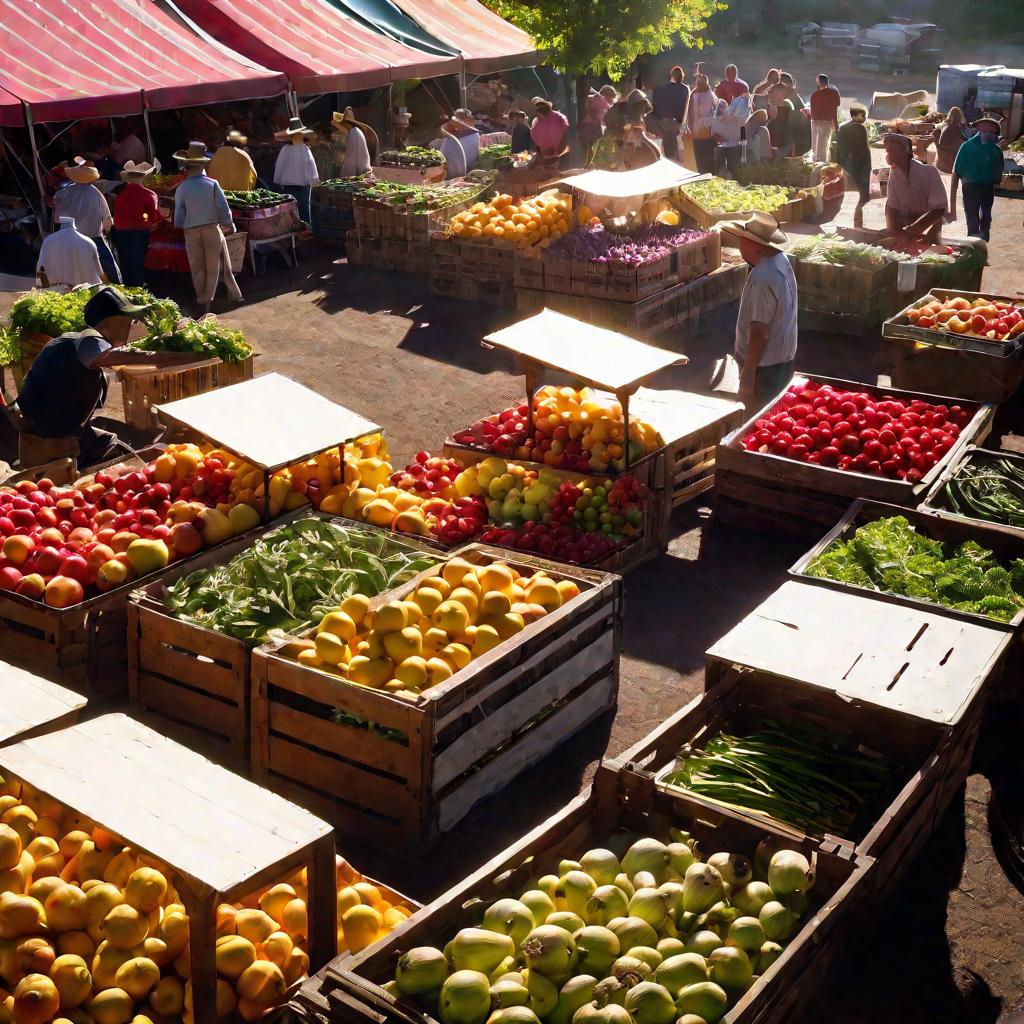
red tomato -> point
(830, 456)
(978, 324)
(848, 444)
(799, 452)
(887, 437)
(841, 428)
(847, 408)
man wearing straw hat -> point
(357, 140)
(232, 166)
(81, 200)
(295, 172)
(201, 210)
(766, 325)
(136, 213)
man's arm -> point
(120, 357)
(755, 349)
(179, 207)
(920, 227)
(224, 217)
(891, 225)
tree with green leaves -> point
(590, 37)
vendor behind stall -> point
(66, 385)
(295, 172)
(548, 131)
(232, 166)
(458, 144)
(357, 141)
(915, 204)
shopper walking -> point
(766, 324)
(201, 210)
(670, 99)
(699, 114)
(853, 152)
(136, 213)
(979, 166)
(732, 85)
(949, 138)
(295, 172)
(81, 200)
(825, 102)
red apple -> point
(51, 537)
(185, 539)
(80, 536)
(31, 586)
(9, 577)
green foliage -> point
(600, 37)
(10, 347)
(207, 337)
(889, 555)
(51, 312)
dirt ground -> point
(951, 946)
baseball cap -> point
(111, 302)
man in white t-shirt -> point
(67, 257)
(766, 325)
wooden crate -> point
(698, 257)
(930, 759)
(32, 706)
(901, 326)
(267, 221)
(789, 213)
(848, 300)
(962, 373)
(144, 387)
(219, 837)
(1006, 547)
(611, 815)
(403, 773)
(760, 491)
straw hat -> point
(195, 154)
(295, 127)
(137, 172)
(994, 122)
(759, 227)
(81, 171)
(539, 101)
(345, 120)
(236, 137)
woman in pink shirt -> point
(548, 130)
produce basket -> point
(192, 682)
(599, 819)
(948, 530)
(844, 299)
(920, 709)
(764, 491)
(267, 221)
(936, 502)
(401, 773)
(900, 326)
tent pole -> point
(150, 151)
(462, 88)
(35, 167)
(390, 115)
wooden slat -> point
(159, 628)
(185, 706)
(499, 726)
(177, 667)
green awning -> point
(384, 17)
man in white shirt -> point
(915, 198)
(358, 142)
(87, 206)
(766, 325)
(295, 172)
(67, 257)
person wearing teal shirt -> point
(979, 166)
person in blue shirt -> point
(979, 168)
(201, 210)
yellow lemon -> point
(67, 909)
(340, 624)
(406, 643)
(73, 980)
(278, 948)
(124, 927)
(261, 982)
(451, 616)
(111, 1006)
(391, 617)
(457, 655)
(455, 569)
(254, 925)
(173, 932)
(137, 977)
(544, 592)
(226, 998)
(485, 639)
(412, 672)
(70, 845)
(297, 966)
(275, 899)
(496, 576)
(373, 672)
(331, 649)
(120, 868)
(22, 819)
(347, 898)
(495, 602)
(105, 964)
(10, 847)
(567, 590)
(434, 639)
(438, 670)
(360, 926)
(168, 998)
(36, 1000)
(428, 598)
(293, 919)
(233, 955)
(355, 607)
(76, 944)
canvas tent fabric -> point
(104, 58)
(487, 42)
(318, 46)
(384, 17)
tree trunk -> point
(582, 92)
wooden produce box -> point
(1006, 547)
(762, 491)
(403, 773)
(191, 682)
(921, 709)
(409, 175)
(844, 300)
(789, 213)
(146, 386)
(32, 706)
(936, 503)
(981, 369)
(698, 257)
(219, 837)
(599, 819)
(267, 221)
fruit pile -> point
(429, 475)
(407, 646)
(537, 220)
(92, 932)
(656, 938)
(572, 429)
(118, 524)
(977, 318)
(858, 432)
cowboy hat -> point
(538, 101)
(903, 140)
(81, 171)
(996, 126)
(345, 120)
(195, 154)
(759, 227)
(236, 136)
(136, 172)
(295, 127)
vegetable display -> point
(352, 184)
(495, 156)
(539, 220)
(42, 311)
(798, 774)
(640, 246)
(419, 198)
(890, 556)
(719, 195)
(454, 616)
(987, 486)
(291, 577)
(255, 199)
(858, 432)
(792, 171)
(841, 252)
(657, 937)
(976, 318)
(411, 156)
(209, 338)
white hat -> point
(759, 227)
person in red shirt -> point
(136, 213)
(730, 87)
(825, 102)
